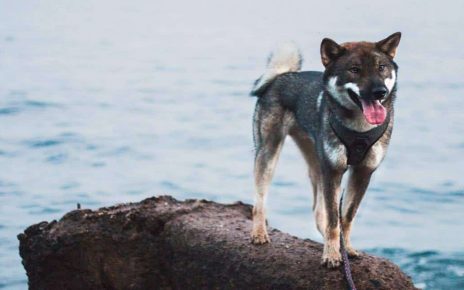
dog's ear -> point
(330, 50)
(389, 44)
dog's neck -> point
(357, 137)
(357, 143)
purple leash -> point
(346, 261)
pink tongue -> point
(374, 112)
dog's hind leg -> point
(306, 146)
(357, 185)
(269, 134)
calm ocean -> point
(104, 102)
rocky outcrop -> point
(162, 243)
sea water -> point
(103, 102)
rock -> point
(162, 243)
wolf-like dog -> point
(341, 120)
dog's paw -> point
(259, 237)
(331, 260)
(352, 253)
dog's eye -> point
(355, 70)
(381, 67)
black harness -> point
(357, 143)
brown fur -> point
(300, 106)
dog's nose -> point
(379, 92)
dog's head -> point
(361, 75)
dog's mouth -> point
(355, 98)
(373, 110)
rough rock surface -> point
(162, 243)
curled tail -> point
(285, 58)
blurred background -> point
(104, 102)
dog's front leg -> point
(357, 185)
(331, 256)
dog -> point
(341, 120)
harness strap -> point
(357, 143)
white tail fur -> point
(285, 58)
